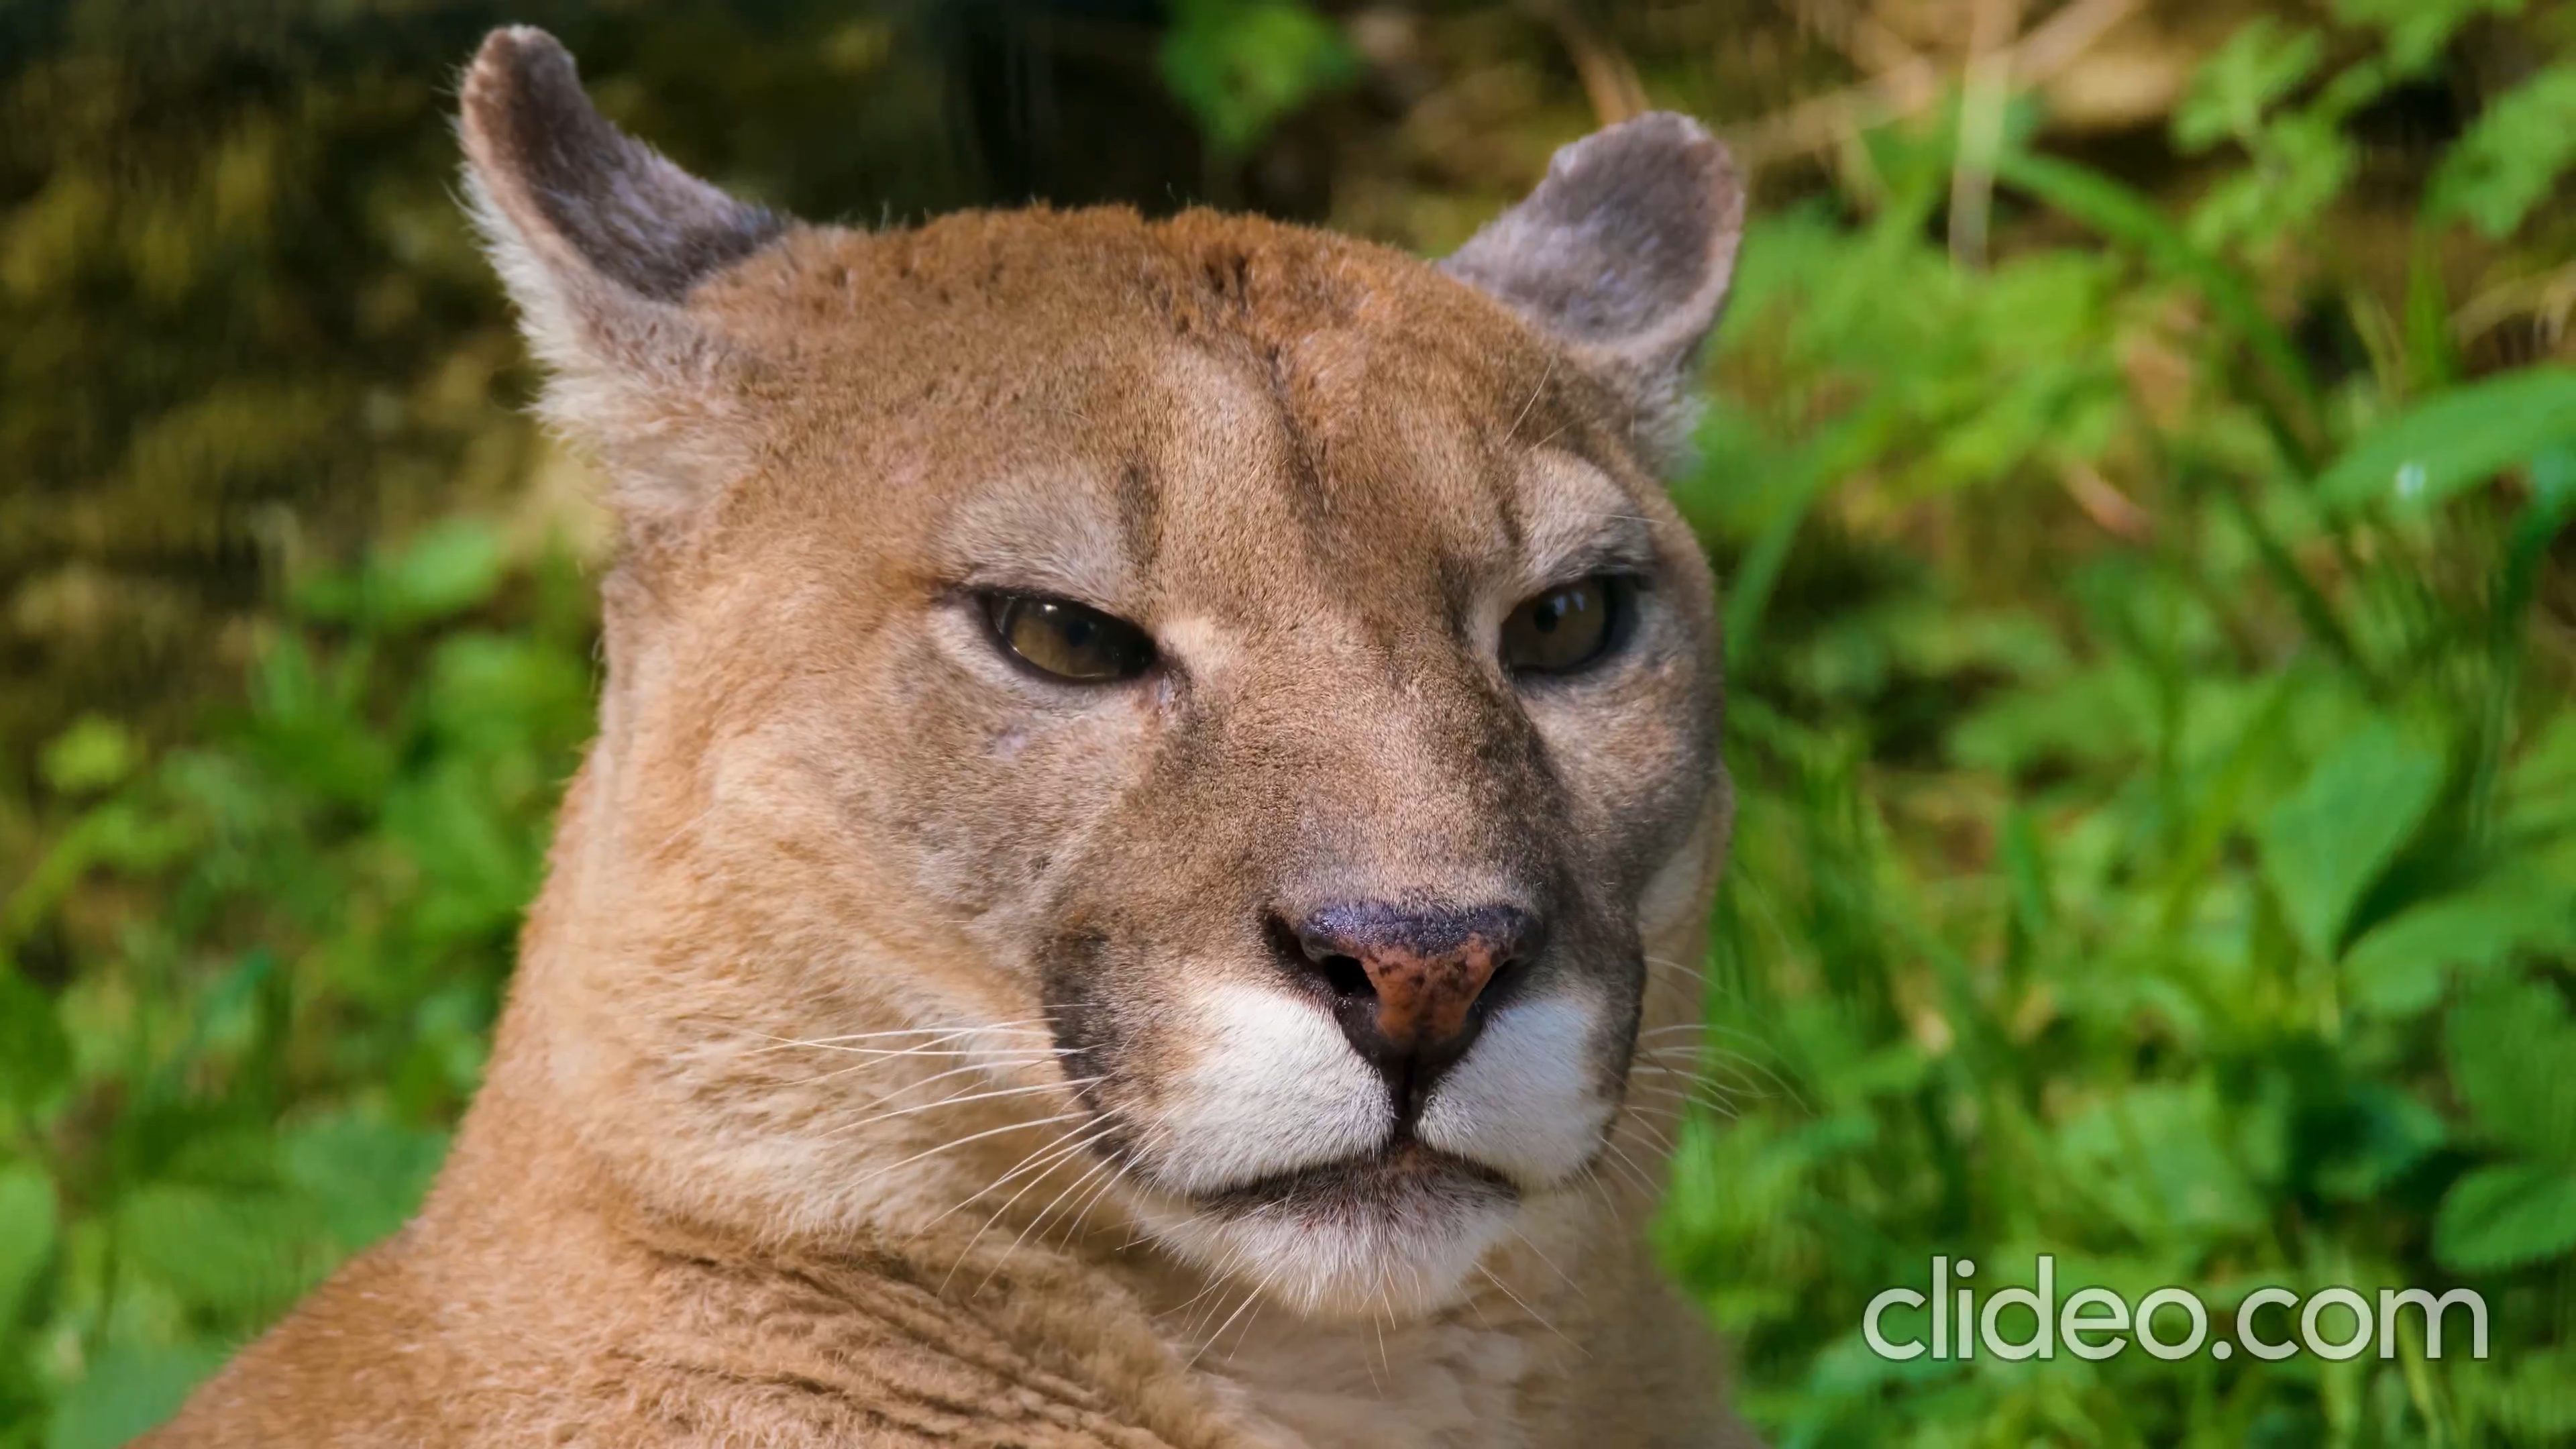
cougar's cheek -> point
(1528, 1098)
(1269, 1085)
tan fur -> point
(852, 1082)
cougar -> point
(1154, 809)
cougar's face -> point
(1259, 663)
(1293, 694)
(1310, 751)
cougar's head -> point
(1227, 703)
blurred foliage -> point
(2194, 901)
(292, 934)
(1243, 66)
(2142, 493)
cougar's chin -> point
(1274, 1157)
(1396, 1232)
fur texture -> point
(904, 1050)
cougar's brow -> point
(1578, 521)
(1062, 532)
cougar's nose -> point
(1405, 981)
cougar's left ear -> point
(600, 240)
(1623, 253)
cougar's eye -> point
(1566, 628)
(1060, 638)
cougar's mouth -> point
(1402, 1175)
(1395, 1229)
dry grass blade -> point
(1825, 121)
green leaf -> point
(2431, 356)
(35, 1055)
(451, 567)
(2402, 965)
(2262, 62)
(364, 1177)
(2455, 439)
(2510, 1046)
(27, 1228)
(2503, 1217)
(2416, 31)
(2156, 1159)
(2511, 157)
(2531, 1398)
(93, 754)
(1242, 65)
(2302, 163)
(127, 1392)
(230, 1251)
(2325, 844)
(2540, 785)
(2122, 214)
(2390, 1132)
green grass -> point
(2157, 839)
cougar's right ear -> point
(1623, 254)
(600, 239)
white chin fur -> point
(1274, 1087)
(1525, 1099)
(1403, 1259)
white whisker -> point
(1525, 1308)
(1690, 972)
(1084, 1209)
(1249, 1295)
(1260, 1300)
(1024, 1054)
(1550, 1262)
(954, 1100)
(1216, 1279)
(1055, 1156)
(953, 1145)
(968, 1069)
(943, 1034)
(1644, 1097)
(1038, 1160)
(1040, 1217)
(1645, 1179)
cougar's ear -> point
(600, 239)
(1623, 253)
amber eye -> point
(1565, 628)
(1066, 640)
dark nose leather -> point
(1406, 980)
